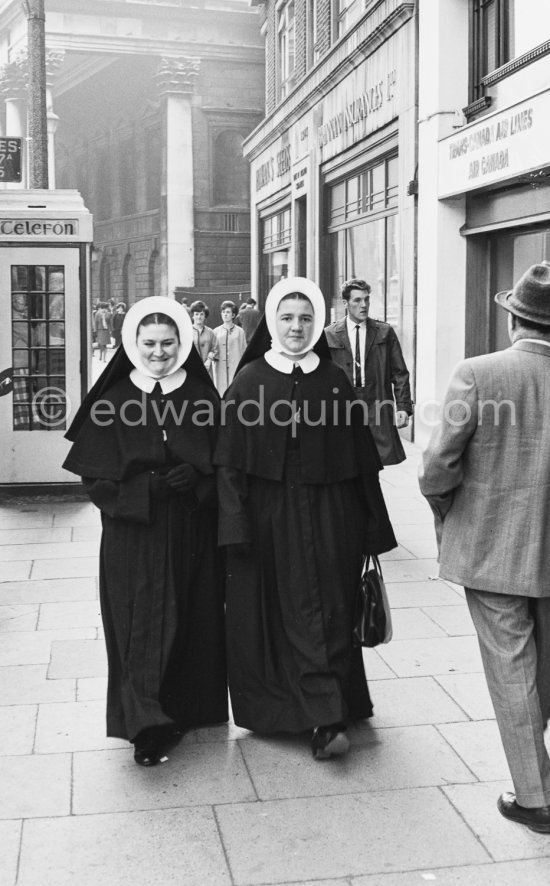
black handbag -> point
(372, 622)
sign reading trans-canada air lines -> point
(500, 146)
(10, 159)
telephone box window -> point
(38, 347)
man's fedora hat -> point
(530, 297)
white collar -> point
(167, 384)
(536, 341)
(308, 363)
(352, 324)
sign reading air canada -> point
(10, 159)
(498, 147)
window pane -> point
(19, 306)
(37, 277)
(57, 306)
(39, 362)
(378, 194)
(38, 334)
(39, 305)
(56, 279)
(57, 335)
(20, 335)
(19, 277)
(20, 359)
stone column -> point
(13, 88)
(54, 60)
(176, 80)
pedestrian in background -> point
(370, 354)
(102, 327)
(204, 339)
(148, 467)
(250, 319)
(117, 321)
(231, 346)
(300, 503)
(486, 476)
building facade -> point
(149, 102)
(333, 162)
(484, 217)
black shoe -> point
(329, 741)
(147, 752)
(536, 818)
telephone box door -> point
(40, 352)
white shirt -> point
(362, 345)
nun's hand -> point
(182, 478)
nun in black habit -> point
(300, 504)
(143, 444)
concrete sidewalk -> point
(414, 801)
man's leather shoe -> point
(536, 818)
(329, 741)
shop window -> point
(346, 14)
(286, 47)
(276, 241)
(230, 170)
(363, 229)
(490, 40)
(374, 189)
(38, 347)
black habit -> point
(305, 497)
(161, 588)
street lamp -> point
(38, 121)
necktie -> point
(357, 367)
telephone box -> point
(45, 245)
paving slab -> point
(87, 533)
(414, 658)
(194, 775)
(80, 518)
(410, 570)
(28, 684)
(412, 702)
(534, 872)
(47, 551)
(35, 786)
(455, 620)
(420, 594)
(504, 840)
(73, 726)
(17, 727)
(479, 745)
(398, 553)
(338, 837)
(23, 520)
(91, 688)
(15, 570)
(10, 840)
(70, 567)
(413, 623)
(470, 692)
(375, 667)
(424, 548)
(49, 590)
(34, 647)
(19, 617)
(400, 757)
(78, 658)
(69, 615)
(171, 847)
(34, 536)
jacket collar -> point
(532, 345)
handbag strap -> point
(375, 562)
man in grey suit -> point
(370, 354)
(486, 475)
